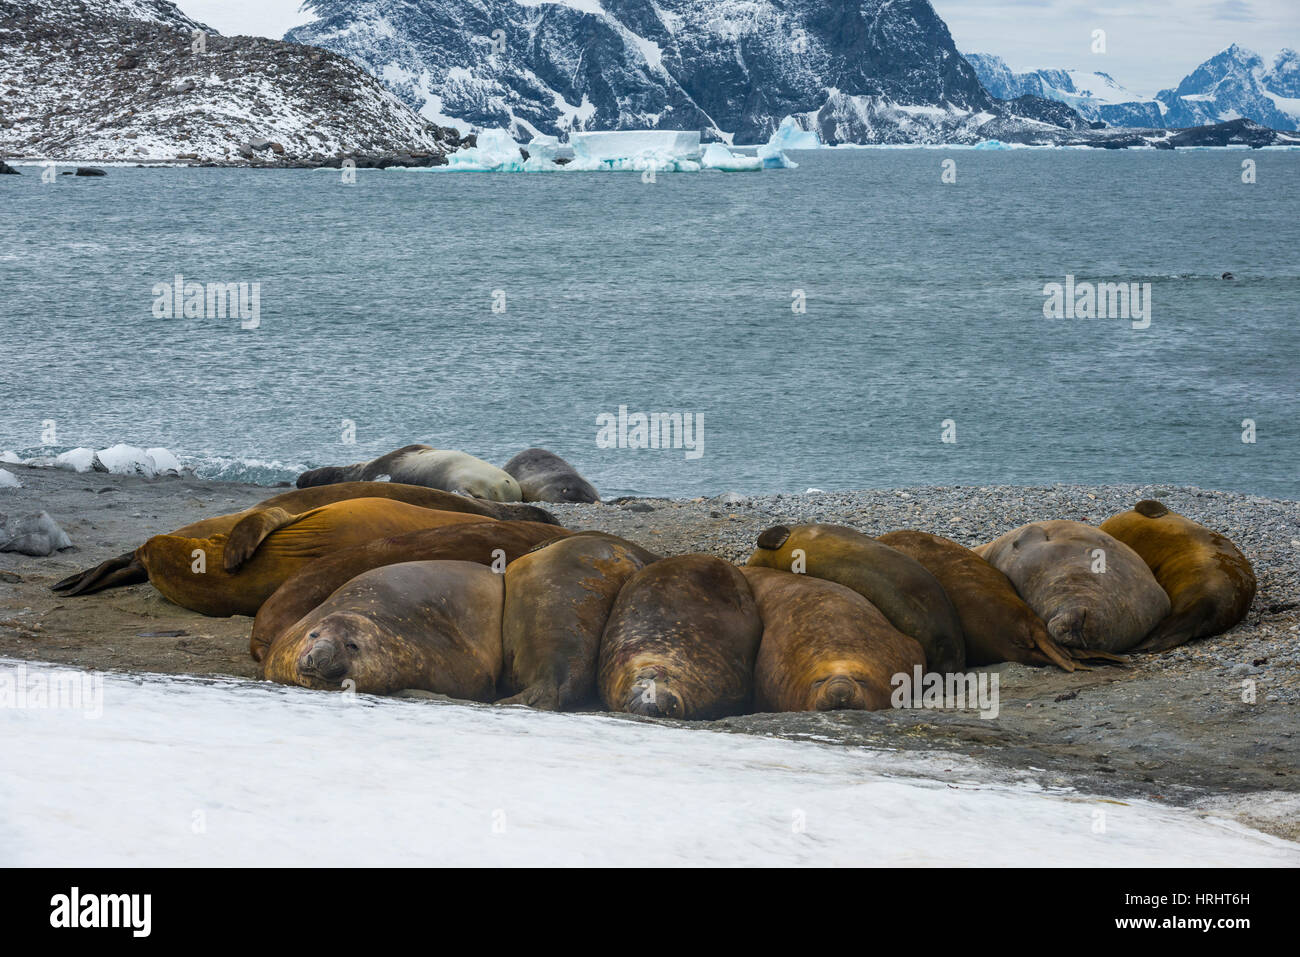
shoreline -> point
(1171, 728)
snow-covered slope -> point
(214, 772)
(1232, 85)
(119, 80)
(865, 71)
(1237, 83)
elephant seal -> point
(1210, 583)
(545, 477)
(897, 584)
(188, 571)
(247, 529)
(1052, 565)
(481, 542)
(680, 641)
(824, 646)
(558, 599)
(432, 626)
(424, 465)
(997, 623)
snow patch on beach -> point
(241, 773)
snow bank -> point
(243, 773)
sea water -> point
(856, 322)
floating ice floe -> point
(9, 480)
(664, 151)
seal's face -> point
(347, 650)
(573, 490)
(839, 686)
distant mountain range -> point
(856, 71)
(1234, 84)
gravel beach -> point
(1171, 727)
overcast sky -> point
(1150, 44)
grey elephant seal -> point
(444, 469)
(1210, 583)
(681, 641)
(1092, 590)
(430, 626)
(545, 477)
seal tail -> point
(115, 573)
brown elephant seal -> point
(680, 641)
(189, 571)
(824, 646)
(1093, 591)
(545, 477)
(487, 543)
(1210, 583)
(248, 528)
(997, 623)
(897, 584)
(431, 626)
(444, 469)
(558, 599)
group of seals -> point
(382, 586)
(897, 584)
(534, 475)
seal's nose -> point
(650, 698)
(839, 693)
(1066, 627)
(323, 660)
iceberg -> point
(127, 460)
(495, 151)
(9, 480)
(669, 151)
(76, 460)
(719, 157)
(790, 136)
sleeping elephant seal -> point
(558, 599)
(248, 528)
(997, 623)
(189, 571)
(482, 542)
(431, 626)
(545, 477)
(443, 469)
(1093, 591)
(897, 584)
(1210, 583)
(680, 641)
(824, 646)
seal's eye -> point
(352, 646)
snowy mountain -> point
(1235, 84)
(863, 71)
(120, 80)
(1096, 96)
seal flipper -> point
(1180, 627)
(774, 537)
(1087, 654)
(250, 532)
(114, 573)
